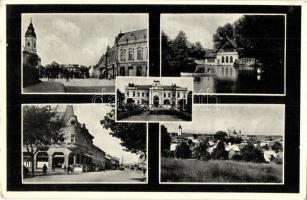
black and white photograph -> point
(225, 143)
(82, 53)
(154, 99)
(226, 53)
(81, 143)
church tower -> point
(30, 39)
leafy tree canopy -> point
(132, 135)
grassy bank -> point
(218, 171)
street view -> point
(71, 55)
(80, 144)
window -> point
(222, 59)
(226, 59)
(131, 54)
(231, 59)
(143, 94)
(178, 95)
(140, 54)
(147, 94)
(138, 94)
(133, 94)
(123, 55)
(72, 139)
(28, 44)
(164, 95)
(169, 95)
(127, 94)
(138, 101)
(183, 95)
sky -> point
(91, 114)
(198, 27)
(78, 38)
(254, 119)
(187, 82)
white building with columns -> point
(156, 95)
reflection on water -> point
(228, 79)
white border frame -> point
(157, 78)
(78, 104)
(238, 94)
(226, 183)
(79, 93)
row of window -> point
(147, 94)
(123, 54)
(138, 94)
(169, 95)
(226, 59)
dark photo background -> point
(15, 98)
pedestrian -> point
(45, 169)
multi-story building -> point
(127, 57)
(156, 95)
(75, 146)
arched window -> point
(130, 54)
(231, 59)
(123, 55)
(222, 59)
(140, 54)
(226, 59)
(28, 44)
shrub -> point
(183, 151)
(252, 154)
(220, 153)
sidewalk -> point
(45, 87)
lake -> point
(228, 79)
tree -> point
(201, 151)
(183, 151)
(277, 146)
(220, 135)
(197, 51)
(188, 106)
(120, 98)
(234, 140)
(165, 140)
(41, 127)
(222, 32)
(261, 37)
(219, 152)
(252, 154)
(132, 135)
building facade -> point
(222, 56)
(75, 147)
(127, 57)
(156, 95)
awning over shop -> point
(88, 155)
